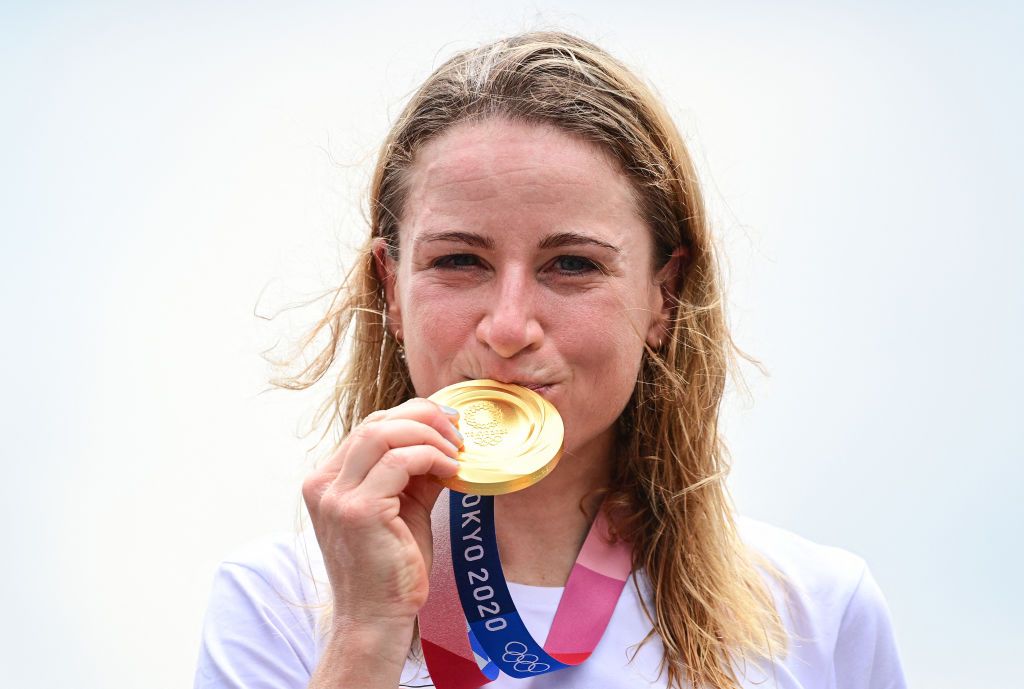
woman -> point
(536, 219)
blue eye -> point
(575, 264)
(456, 261)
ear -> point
(668, 280)
(386, 268)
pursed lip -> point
(541, 388)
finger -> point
(391, 474)
(445, 420)
(416, 506)
(423, 492)
(442, 419)
(369, 442)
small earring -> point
(401, 345)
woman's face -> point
(523, 259)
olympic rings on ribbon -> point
(516, 653)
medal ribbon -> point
(467, 586)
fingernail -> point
(449, 410)
(462, 438)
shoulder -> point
(285, 560)
(827, 574)
(837, 618)
(284, 566)
(262, 614)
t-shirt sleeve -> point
(866, 656)
(256, 634)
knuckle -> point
(313, 489)
(362, 433)
(394, 458)
(353, 510)
(421, 405)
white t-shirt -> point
(261, 625)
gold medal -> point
(512, 436)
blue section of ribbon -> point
(486, 665)
(486, 602)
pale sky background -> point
(166, 164)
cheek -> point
(603, 346)
(435, 330)
(605, 362)
(430, 312)
(613, 361)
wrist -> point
(372, 642)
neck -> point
(542, 528)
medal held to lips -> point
(513, 437)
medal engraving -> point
(484, 423)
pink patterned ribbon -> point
(586, 606)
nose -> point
(509, 324)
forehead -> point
(515, 169)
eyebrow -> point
(574, 239)
(470, 238)
(553, 241)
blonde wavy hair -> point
(711, 607)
